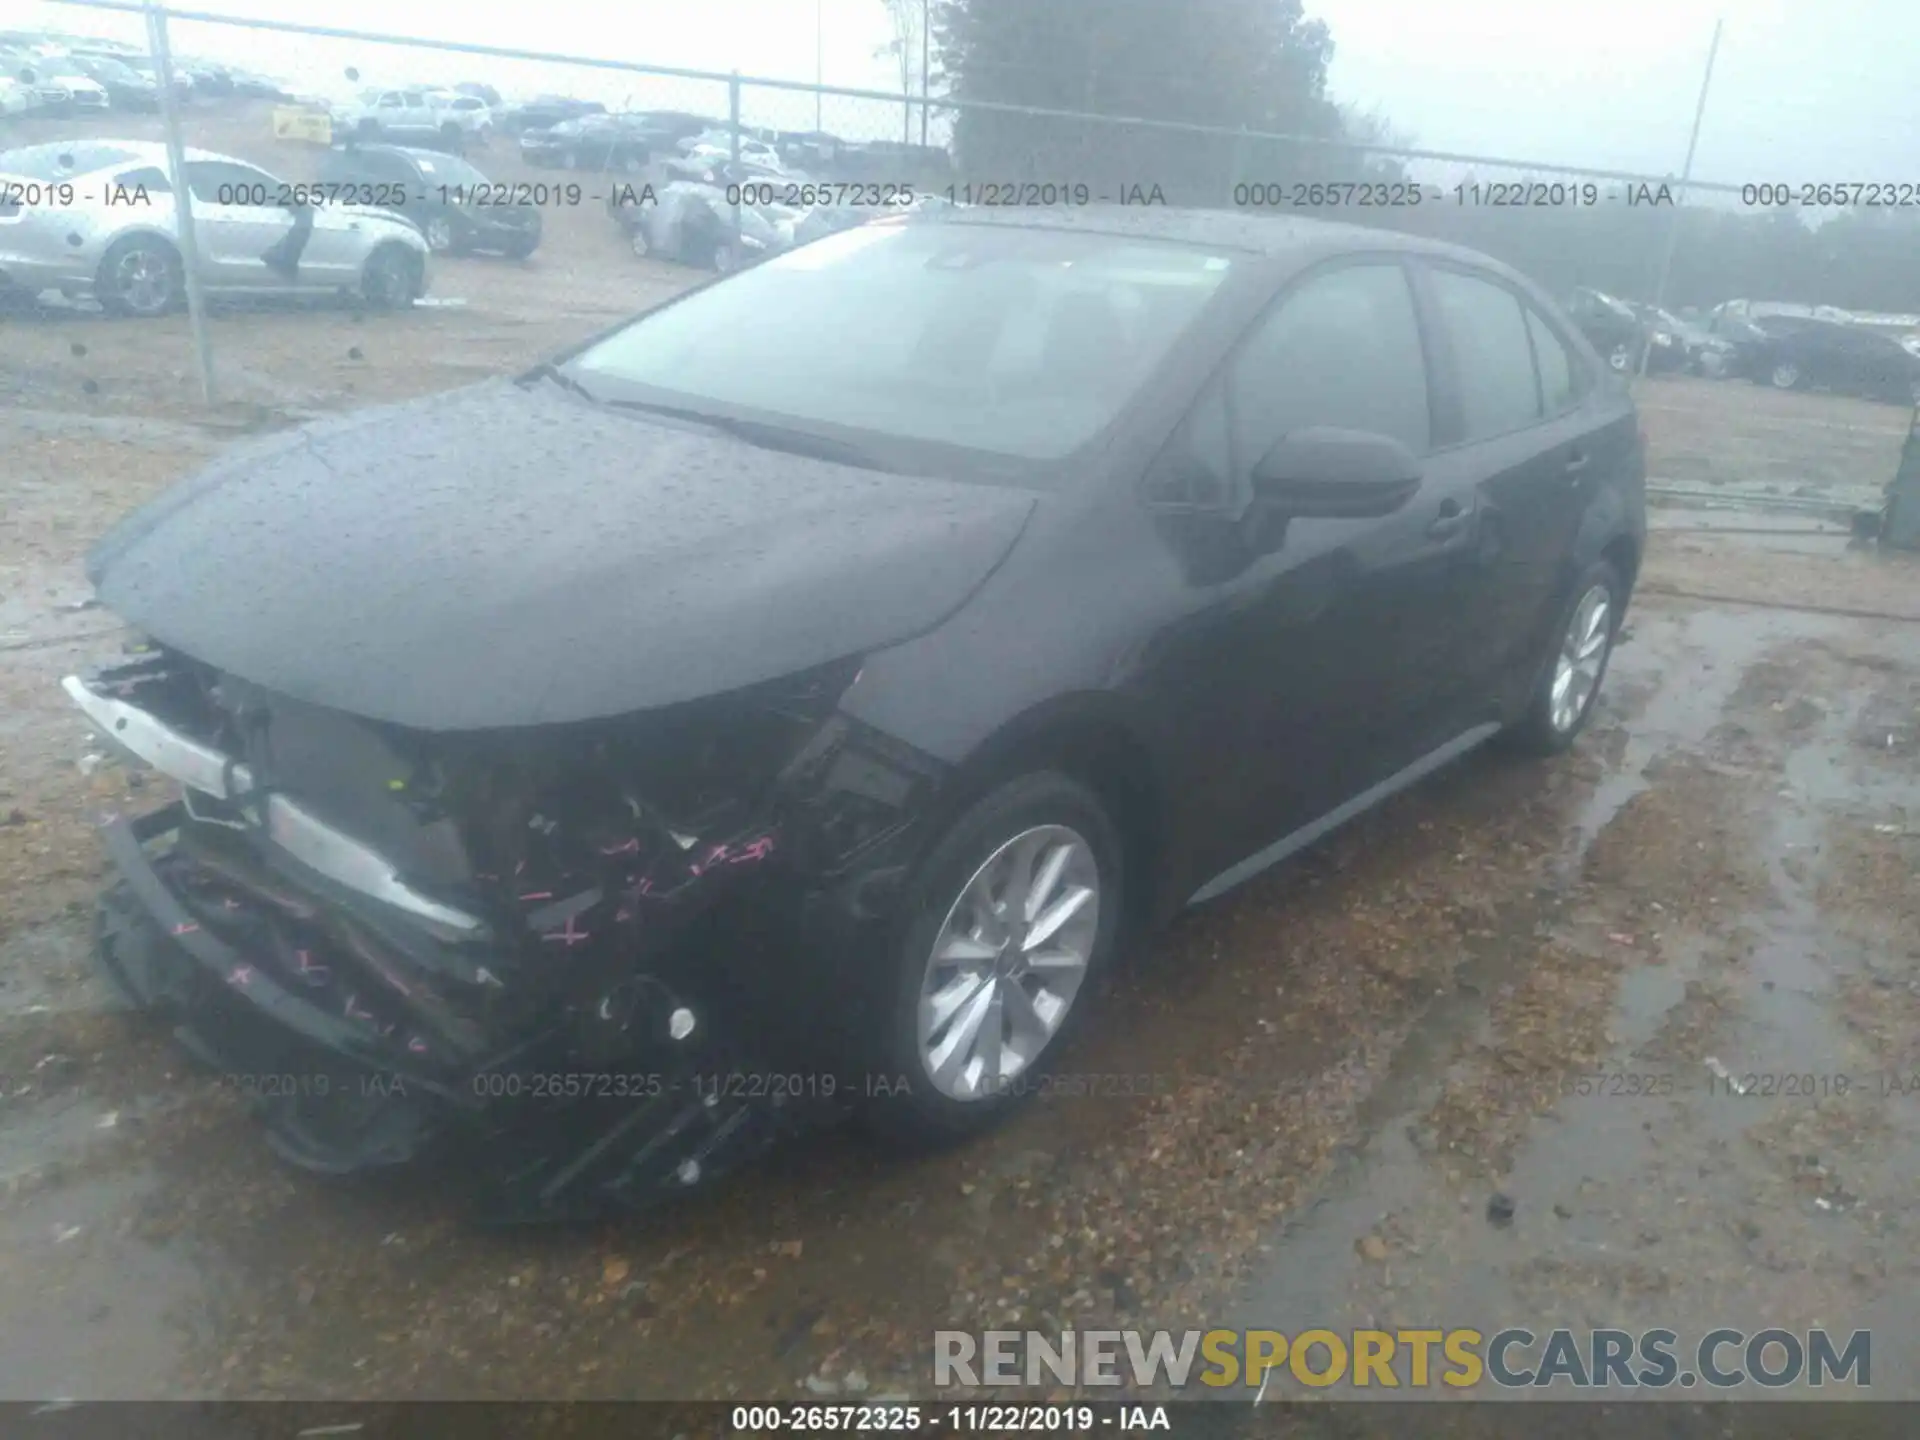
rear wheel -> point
(1569, 680)
(141, 276)
(439, 233)
(1786, 376)
(1620, 358)
(391, 279)
(1010, 916)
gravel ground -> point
(1521, 979)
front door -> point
(236, 220)
(1306, 665)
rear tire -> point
(391, 279)
(1786, 376)
(1573, 670)
(931, 1079)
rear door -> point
(1515, 425)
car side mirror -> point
(1331, 474)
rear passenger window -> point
(1344, 351)
(1499, 391)
(1559, 385)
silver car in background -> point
(95, 219)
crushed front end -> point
(603, 962)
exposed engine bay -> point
(585, 952)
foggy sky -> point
(1802, 91)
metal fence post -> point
(1686, 175)
(182, 196)
(733, 128)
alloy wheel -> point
(144, 281)
(439, 234)
(1786, 375)
(1582, 656)
(1621, 359)
(1008, 962)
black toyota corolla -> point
(784, 704)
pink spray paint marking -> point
(240, 975)
(538, 895)
(570, 936)
(629, 847)
(417, 1045)
(754, 850)
(353, 1010)
(315, 974)
(185, 928)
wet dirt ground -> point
(1662, 994)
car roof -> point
(137, 152)
(1277, 237)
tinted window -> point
(1558, 370)
(1016, 343)
(1342, 350)
(1498, 389)
(221, 182)
(150, 178)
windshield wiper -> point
(767, 437)
(547, 370)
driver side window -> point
(1342, 350)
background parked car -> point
(1619, 334)
(484, 93)
(692, 223)
(598, 142)
(471, 114)
(1699, 351)
(63, 87)
(126, 87)
(16, 98)
(127, 257)
(442, 194)
(403, 116)
(1796, 353)
(543, 112)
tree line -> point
(1261, 65)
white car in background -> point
(409, 115)
(95, 219)
(714, 145)
(472, 114)
(16, 98)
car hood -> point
(507, 555)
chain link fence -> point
(1618, 232)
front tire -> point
(140, 277)
(1570, 677)
(1009, 918)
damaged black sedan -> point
(786, 703)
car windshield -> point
(447, 170)
(59, 161)
(1013, 342)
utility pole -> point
(819, 61)
(926, 73)
(1686, 174)
(182, 196)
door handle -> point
(1451, 520)
(1578, 462)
